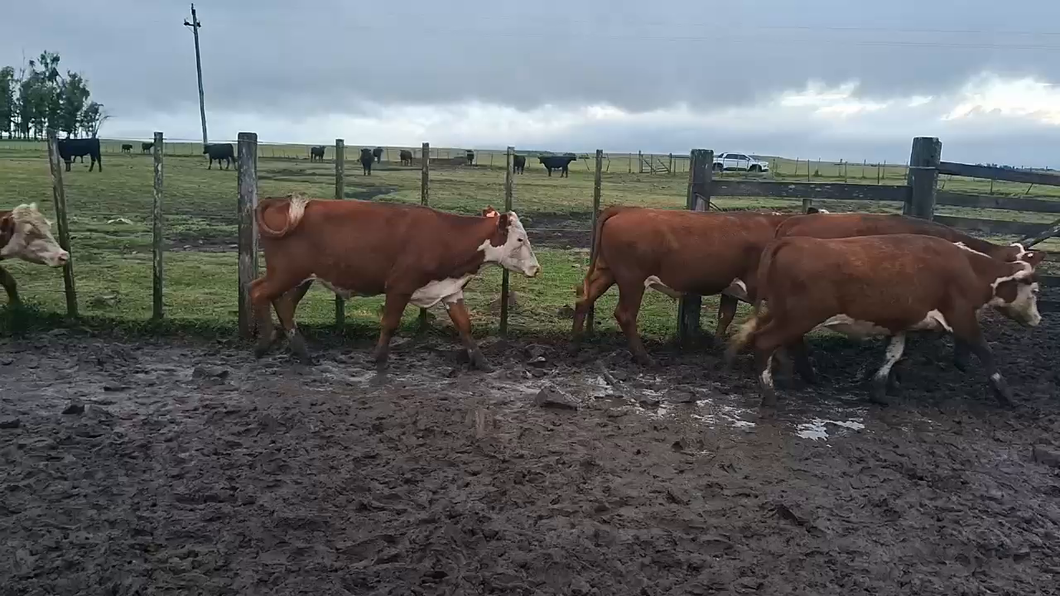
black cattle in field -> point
(558, 162)
(69, 149)
(366, 161)
(218, 152)
(470, 156)
(126, 147)
(316, 153)
(377, 153)
(406, 157)
(518, 163)
(145, 147)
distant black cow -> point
(377, 153)
(518, 163)
(470, 155)
(316, 153)
(406, 157)
(366, 161)
(69, 149)
(145, 147)
(126, 147)
(558, 162)
(218, 152)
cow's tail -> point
(743, 335)
(296, 204)
(598, 233)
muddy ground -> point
(193, 469)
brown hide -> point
(843, 225)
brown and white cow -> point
(360, 248)
(673, 252)
(844, 225)
(881, 285)
(25, 234)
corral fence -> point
(918, 196)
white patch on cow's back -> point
(933, 321)
(654, 283)
(447, 290)
(853, 328)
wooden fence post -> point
(62, 222)
(597, 179)
(248, 228)
(158, 249)
(340, 194)
(923, 177)
(508, 179)
(425, 200)
(699, 179)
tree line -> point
(37, 97)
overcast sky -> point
(821, 79)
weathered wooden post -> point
(699, 179)
(597, 179)
(425, 200)
(340, 194)
(923, 177)
(508, 179)
(248, 229)
(59, 197)
(157, 246)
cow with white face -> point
(411, 254)
(25, 234)
(886, 285)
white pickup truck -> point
(739, 161)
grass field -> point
(111, 230)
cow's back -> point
(690, 251)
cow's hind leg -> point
(629, 299)
(462, 321)
(801, 356)
(285, 306)
(726, 313)
(881, 380)
(393, 308)
(263, 292)
(600, 282)
(9, 284)
(962, 354)
(767, 339)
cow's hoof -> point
(767, 412)
(878, 393)
(299, 348)
(478, 361)
(260, 349)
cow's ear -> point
(502, 224)
(489, 211)
(1034, 257)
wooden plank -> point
(340, 194)
(993, 173)
(62, 222)
(992, 226)
(157, 246)
(248, 229)
(425, 200)
(806, 190)
(954, 199)
(508, 179)
(923, 177)
(698, 199)
(597, 183)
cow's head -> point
(205, 149)
(1016, 295)
(509, 246)
(26, 235)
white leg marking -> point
(767, 374)
(894, 353)
(995, 377)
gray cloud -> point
(327, 55)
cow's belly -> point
(845, 325)
(447, 290)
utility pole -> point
(195, 24)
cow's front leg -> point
(12, 288)
(392, 311)
(462, 321)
